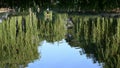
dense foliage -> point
(64, 4)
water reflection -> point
(99, 39)
(93, 37)
(61, 55)
(0, 20)
(20, 35)
(52, 30)
(18, 48)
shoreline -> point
(100, 13)
(82, 12)
(4, 10)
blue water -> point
(61, 55)
(0, 20)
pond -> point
(61, 55)
(59, 40)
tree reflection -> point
(19, 42)
(99, 37)
(20, 35)
(53, 30)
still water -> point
(61, 55)
(59, 41)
